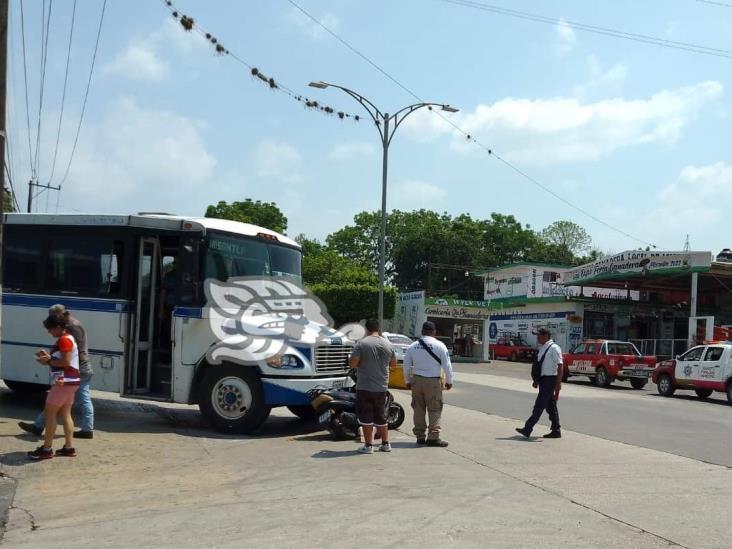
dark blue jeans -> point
(545, 401)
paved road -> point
(683, 425)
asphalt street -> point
(683, 425)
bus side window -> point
(190, 286)
(110, 265)
(22, 261)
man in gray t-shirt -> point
(372, 356)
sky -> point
(635, 134)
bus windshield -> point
(231, 256)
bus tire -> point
(25, 387)
(231, 398)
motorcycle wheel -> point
(395, 417)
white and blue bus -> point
(136, 282)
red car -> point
(512, 347)
(604, 361)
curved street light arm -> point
(401, 114)
(372, 109)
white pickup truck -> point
(704, 369)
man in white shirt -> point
(547, 376)
(424, 361)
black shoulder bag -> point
(430, 351)
(536, 367)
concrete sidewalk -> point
(145, 482)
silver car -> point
(399, 342)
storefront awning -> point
(640, 266)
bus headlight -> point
(285, 362)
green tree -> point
(568, 235)
(8, 204)
(321, 265)
(264, 214)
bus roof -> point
(151, 220)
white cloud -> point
(138, 62)
(278, 160)
(138, 159)
(412, 193)
(144, 57)
(309, 27)
(566, 37)
(351, 151)
(696, 203)
(603, 81)
(561, 129)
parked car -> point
(512, 347)
(399, 342)
(604, 361)
(703, 369)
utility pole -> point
(3, 128)
(32, 184)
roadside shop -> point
(454, 318)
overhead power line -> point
(45, 28)
(63, 95)
(468, 136)
(25, 81)
(189, 24)
(86, 93)
(715, 3)
(644, 38)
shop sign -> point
(457, 302)
(457, 312)
(639, 263)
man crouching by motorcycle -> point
(372, 356)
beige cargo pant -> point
(427, 397)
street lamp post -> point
(387, 125)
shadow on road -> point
(132, 416)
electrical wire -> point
(63, 97)
(644, 38)
(86, 95)
(715, 3)
(25, 81)
(469, 136)
(45, 28)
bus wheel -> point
(25, 387)
(231, 398)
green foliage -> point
(264, 214)
(8, 204)
(568, 235)
(322, 265)
(354, 302)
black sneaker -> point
(437, 442)
(30, 428)
(41, 453)
(83, 434)
(553, 434)
(523, 431)
(421, 442)
(66, 452)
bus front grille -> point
(332, 358)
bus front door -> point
(139, 374)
